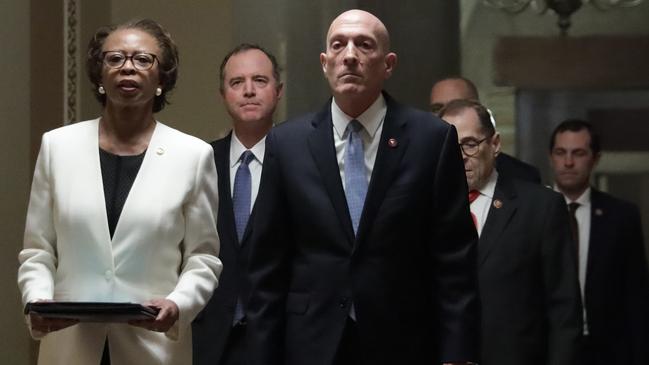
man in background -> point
(250, 87)
(452, 88)
(612, 264)
(527, 277)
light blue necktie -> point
(241, 197)
(355, 179)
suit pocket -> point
(297, 303)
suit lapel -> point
(226, 211)
(388, 158)
(157, 147)
(91, 148)
(498, 218)
(321, 144)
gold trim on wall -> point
(71, 97)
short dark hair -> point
(243, 47)
(576, 125)
(457, 105)
(167, 62)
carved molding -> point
(71, 97)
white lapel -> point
(143, 178)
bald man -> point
(364, 249)
(451, 88)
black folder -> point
(92, 311)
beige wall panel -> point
(15, 170)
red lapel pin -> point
(392, 143)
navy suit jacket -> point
(616, 292)
(410, 271)
(210, 330)
(529, 290)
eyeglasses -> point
(142, 61)
(471, 147)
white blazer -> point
(165, 244)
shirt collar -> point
(489, 188)
(237, 148)
(370, 119)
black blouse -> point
(118, 174)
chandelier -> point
(563, 8)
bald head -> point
(362, 19)
(450, 89)
(357, 60)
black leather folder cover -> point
(92, 311)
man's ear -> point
(390, 63)
(495, 142)
(280, 90)
(323, 62)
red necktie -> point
(473, 195)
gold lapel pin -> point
(392, 143)
(498, 203)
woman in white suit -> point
(122, 209)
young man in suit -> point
(250, 87)
(363, 250)
(527, 276)
(612, 264)
(451, 88)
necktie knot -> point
(246, 157)
(572, 207)
(473, 195)
(354, 126)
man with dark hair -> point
(457, 87)
(250, 88)
(608, 239)
(527, 278)
(363, 249)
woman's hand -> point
(167, 315)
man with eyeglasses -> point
(451, 88)
(526, 266)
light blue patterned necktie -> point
(241, 193)
(241, 197)
(355, 179)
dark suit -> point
(409, 271)
(616, 291)
(212, 328)
(529, 290)
(514, 168)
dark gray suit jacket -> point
(210, 330)
(529, 289)
(409, 272)
(617, 288)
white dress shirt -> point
(480, 206)
(583, 221)
(258, 150)
(372, 122)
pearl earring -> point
(101, 90)
(158, 92)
